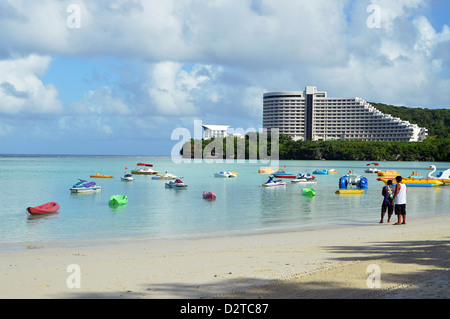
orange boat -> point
(388, 173)
(98, 175)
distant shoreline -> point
(78, 155)
(195, 158)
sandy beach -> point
(356, 261)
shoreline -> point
(328, 262)
(108, 241)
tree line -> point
(434, 148)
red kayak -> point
(43, 209)
(287, 175)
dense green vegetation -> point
(434, 148)
(437, 121)
(431, 150)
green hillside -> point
(437, 121)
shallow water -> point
(154, 211)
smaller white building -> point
(214, 131)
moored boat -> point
(176, 184)
(273, 183)
(442, 176)
(372, 170)
(225, 174)
(209, 195)
(46, 208)
(144, 169)
(98, 175)
(321, 172)
(304, 178)
(85, 187)
(166, 176)
(266, 170)
(284, 175)
(415, 175)
(388, 173)
(309, 192)
(350, 191)
(127, 177)
(352, 180)
(414, 182)
(117, 200)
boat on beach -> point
(46, 208)
(144, 169)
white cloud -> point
(101, 101)
(173, 91)
(214, 58)
(21, 90)
(428, 38)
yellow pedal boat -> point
(101, 176)
(415, 181)
(388, 173)
(266, 170)
(350, 191)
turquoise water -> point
(153, 211)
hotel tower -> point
(311, 115)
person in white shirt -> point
(400, 201)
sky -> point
(121, 77)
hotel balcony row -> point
(332, 118)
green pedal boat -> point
(309, 192)
(117, 200)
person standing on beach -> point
(400, 201)
(388, 204)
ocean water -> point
(154, 211)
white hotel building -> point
(311, 115)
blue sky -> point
(118, 77)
